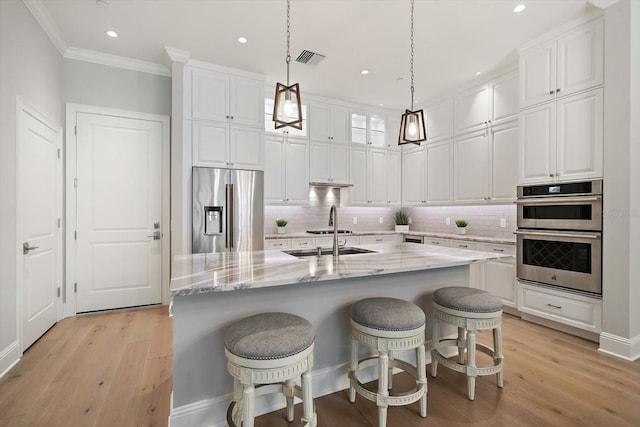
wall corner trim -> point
(9, 356)
(624, 348)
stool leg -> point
(248, 399)
(471, 365)
(435, 341)
(461, 345)
(353, 367)
(237, 397)
(308, 417)
(390, 380)
(497, 352)
(422, 378)
(289, 386)
(383, 391)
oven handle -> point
(573, 236)
(556, 200)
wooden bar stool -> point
(388, 325)
(265, 353)
(470, 310)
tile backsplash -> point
(483, 220)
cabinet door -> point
(339, 163)
(500, 280)
(319, 162)
(538, 75)
(296, 173)
(210, 144)
(413, 176)
(581, 59)
(274, 170)
(359, 129)
(209, 95)
(439, 172)
(394, 178)
(580, 136)
(377, 129)
(319, 115)
(392, 132)
(472, 163)
(440, 121)
(339, 125)
(505, 162)
(247, 148)
(504, 99)
(246, 101)
(472, 110)
(538, 143)
(358, 172)
(378, 179)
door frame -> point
(69, 296)
(24, 107)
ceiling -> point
(454, 39)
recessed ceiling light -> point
(102, 3)
(112, 33)
(519, 8)
(478, 73)
(364, 72)
(382, 105)
(242, 40)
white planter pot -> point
(462, 230)
(282, 230)
(402, 228)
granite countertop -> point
(231, 271)
(468, 237)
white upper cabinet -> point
(413, 176)
(328, 122)
(472, 110)
(218, 144)
(286, 178)
(504, 161)
(392, 132)
(472, 165)
(270, 126)
(223, 97)
(439, 121)
(504, 99)
(329, 163)
(439, 173)
(375, 175)
(563, 140)
(368, 129)
(564, 65)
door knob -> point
(26, 248)
(156, 235)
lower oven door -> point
(571, 260)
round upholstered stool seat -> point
(469, 310)
(265, 353)
(388, 325)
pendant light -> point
(287, 110)
(412, 130)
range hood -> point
(329, 184)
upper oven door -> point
(561, 213)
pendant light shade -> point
(412, 128)
(287, 108)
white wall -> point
(621, 224)
(30, 67)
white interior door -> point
(119, 209)
(39, 201)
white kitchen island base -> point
(202, 386)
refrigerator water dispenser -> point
(212, 220)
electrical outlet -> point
(355, 220)
(381, 220)
(410, 220)
(448, 221)
(503, 222)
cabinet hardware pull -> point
(555, 306)
(463, 246)
(498, 250)
(435, 243)
(558, 90)
(551, 92)
(550, 175)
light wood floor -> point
(115, 370)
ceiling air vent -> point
(308, 57)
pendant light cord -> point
(412, 87)
(289, 37)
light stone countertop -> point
(230, 271)
(467, 237)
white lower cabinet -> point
(277, 244)
(436, 241)
(499, 276)
(567, 308)
(380, 238)
(465, 244)
(327, 242)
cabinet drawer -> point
(436, 241)
(381, 238)
(302, 243)
(277, 244)
(327, 242)
(464, 244)
(500, 249)
(575, 310)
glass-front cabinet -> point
(269, 124)
(369, 129)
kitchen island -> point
(211, 291)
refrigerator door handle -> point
(227, 220)
(230, 215)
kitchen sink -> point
(327, 251)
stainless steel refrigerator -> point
(228, 210)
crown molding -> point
(117, 61)
(603, 4)
(178, 55)
(41, 15)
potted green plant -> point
(462, 226)
(282, 224)
(402, 220)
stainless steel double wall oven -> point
(559, 236)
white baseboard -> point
(625, 348)
(212, 412)
(9, 356)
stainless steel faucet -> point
(333, 220)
